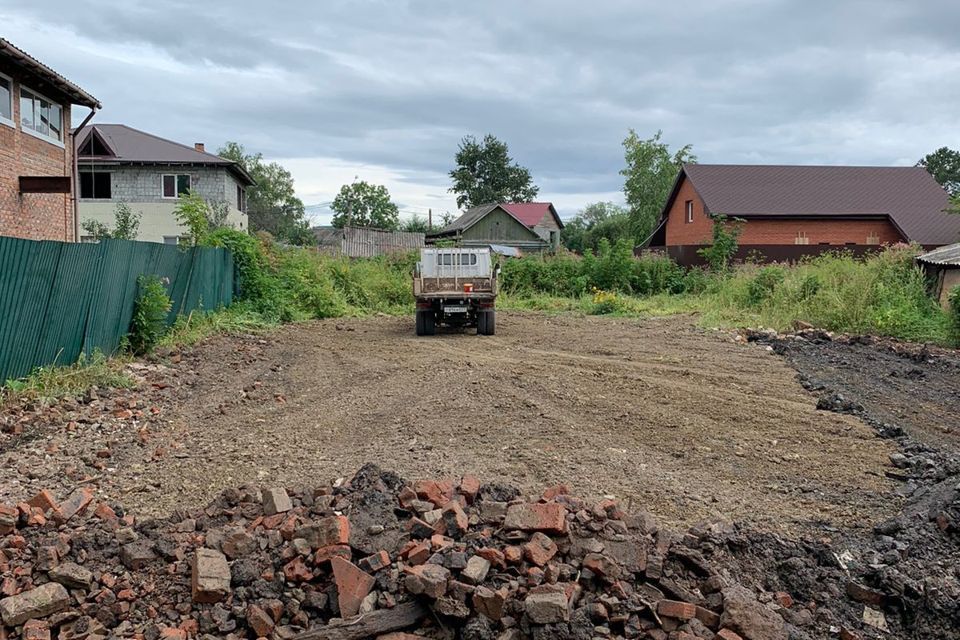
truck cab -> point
(456, 287)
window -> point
(6, 100)
(689, 209)
(241, 199)
(95, 184)
(171, 239)
(175, 186)
(462, 259)
(802, 238)
(88, 239)
(873, 238)
(39, 115)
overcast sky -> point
(385, 90)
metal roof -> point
(25, 60)
(132, 146)
(949, 254)
(908, 196)
(529, 214)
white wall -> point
(156, 220)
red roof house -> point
(789, 211)
(528, 226)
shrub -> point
(954, 299)
(764, 283)
(150, 311)
(726, 236)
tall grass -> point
(52, 382)
(885, 294)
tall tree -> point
(650, 172)
(594, 222)
(361, 204)
(486, 173)
(272, 204)
(944, 165)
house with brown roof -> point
(527, 226)
(791, 211)
(36, 150)
(118, 164)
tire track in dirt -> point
(680, 420)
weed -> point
(150, 310)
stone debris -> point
(377, 556)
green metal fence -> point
(59, 300)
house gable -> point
(499, 226)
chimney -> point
(199, 147)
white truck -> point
(455, 287)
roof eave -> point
(69, 89)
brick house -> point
(118, 163)
(528, 226)
(790, 211)
(36, 150)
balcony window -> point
(40, 116)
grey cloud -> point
(397, 84)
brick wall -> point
(835, 232)
(36, 216)
(679, 231)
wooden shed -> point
(527, 226)
(943, 267)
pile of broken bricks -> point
(374, 556)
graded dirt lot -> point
(680, 421)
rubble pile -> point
(372, 557)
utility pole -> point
(429, 219)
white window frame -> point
(9, 121)
(34, 132)
(688, 210)
(176, 195)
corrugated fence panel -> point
(62, 337)
(58, 300)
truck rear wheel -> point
(429, 323)
(426, 323)
(486, 323)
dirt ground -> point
(679, 421)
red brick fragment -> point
(540, 549)
(469, 487)
(325, 554)
(784, 599)
(727, 634)
(376, 562)
(353, 585)
(548, 517)
(552, 492)
(36, 630)
(259, 620)
(297, 570)
(676, 609)
(43, 500)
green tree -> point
(416, 224)
(594, 222)
(193, 212)
(126, 223)
(944, 165)
(361, 204)
(649, 175)
(272, 204)
(486, 173)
